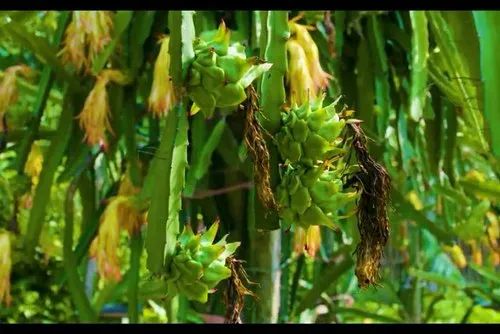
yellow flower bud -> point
(457, 255)
(5, 268)
(413, 198)
(301, 34)
(299, 79)
(34, 163)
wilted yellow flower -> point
(307, 242)
(162, 97)
(94, 118)
(126, 187)
(116, 76)
(457, 255)
(108, 241)
(121, 213)
(494, 259)
(299, 79)
(301, 35)
(5, 268)
(93, 247)
(87, 35)
(34, 163)
(8, 88)
(131, 218)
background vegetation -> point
(423, 83)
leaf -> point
(136, 245)
(366, 314)
(253, 73)
(202, 162)
(128, 122)
(41, 49)
(157, 187)
(419, 55)
(456, 66)
(486, 273)
(175, 46)
(153, 289)
(453, 194)
(365, 85)
(382, 86)
(436, 278)
(487, 23)
(272, 84)
(177, 178)
(328, 276)
(188, 36)
(139, 32)
(490, 188)
(42, 192)
(406, 210)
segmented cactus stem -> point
(273, 88)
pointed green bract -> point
(310, 133)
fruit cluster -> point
(310, 133)
(198, 264)
(311, 189)
(220, 72)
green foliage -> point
(422, 84)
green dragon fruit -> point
(310, 133)
(312, 196)
(198, 264)
(220, 72)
